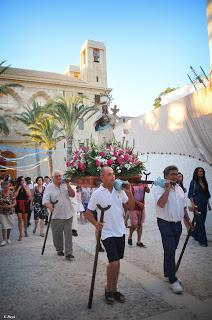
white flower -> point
(119, 171)
(127, 166)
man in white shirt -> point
(62, 213)
(113, 228)
(170, 210)
(47, 181)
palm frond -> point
(3, 126)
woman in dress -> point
(7, 204)
(22, 196)
(137, 215)
(40, 212)
(199, 196)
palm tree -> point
(68, 112)
(5, 90)
(3, 125)
(47, 134)
(31, 114)
(30, 117)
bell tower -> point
(93, 63)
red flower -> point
(120, 152)
(81, 166)
(101, 154)
(68, 164)
(109, 162)
(98, 163)
(115, 153)
(126, 157)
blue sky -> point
(150, 44)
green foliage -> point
(69, 111)
(157, 101)
(5, 90)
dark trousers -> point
(170, 234)
(199, 233)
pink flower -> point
(115, 153)
(68, 164)
(120, 160)
(75, 157)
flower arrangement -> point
(88, 161)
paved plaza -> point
(49, 287)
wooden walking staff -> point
(196, 212)
(96, 256)
(47, 230)
(146, 176)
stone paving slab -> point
(49, 287)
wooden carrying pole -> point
(96, 256)
(47, 230)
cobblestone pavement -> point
(49, 287)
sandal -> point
(109, 297)
(140, 244)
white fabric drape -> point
(182, 127)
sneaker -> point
(176, 287)
(118, 296)
(69, 256)
(60, 253)
(3, 243)
(140, 244)
(9, 241)
(130, 242)
(101, 249)
(109, 297)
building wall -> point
(41, 86)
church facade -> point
(89, 79)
